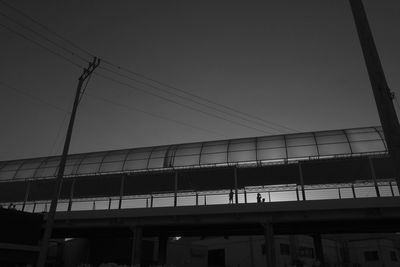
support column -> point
(236, 186)
(136, 246)
(71, 194)
(373, 175)
(176, 189)
(28, 186)
(319, 250)
(121, 191)
(303, 192)
(269, 245)
(162, 249)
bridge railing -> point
(362, 189)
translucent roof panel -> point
(365, 140)
(214, 152)
(137, 159)
(113, 161)
(48, 168)
(90, 163)
(271, 148)
(299, 146)
(28, 168)
(187, 155)
(243, 150)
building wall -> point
(376, 252)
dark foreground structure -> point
(137, 205)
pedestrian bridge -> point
(298, 168)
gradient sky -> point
(295, 63)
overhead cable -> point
(43, 37)
(199, 97)
(190, 99)
(178, 103)
(244, 116)
(156, 115)
(41, 45)
(46, 28)
(37, 99)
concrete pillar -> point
(162, 249)
(136, 246)
(319, 250)
(269, 245)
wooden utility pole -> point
(57, 188)
(383, 95)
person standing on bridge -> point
(258, 198)
(231, 196)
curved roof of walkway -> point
(257, 150)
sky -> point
(297, 65)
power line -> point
(189, 99)
(178, 103)
(46, 28)
(199, 97)
(9, 87)
(44, 37)
(253, 118)
(39, 44)
(155, 115)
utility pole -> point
(383, 95)
(41, 261)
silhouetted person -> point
(258, 198)
(263, 200)
(231, 196)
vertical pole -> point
(71, 194)
(245, 196)
(151, 201)
(383, 95)
(391, 188)
(319, 249)
(197, 199)
(297, 193)
(269, 244)
(121, 191)
(353, 190)
(109, 203)
(373, 175)
(57, 188)
(136, 246)
(28, 186)
(303, 192)
(176, 189)
(236, 185)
